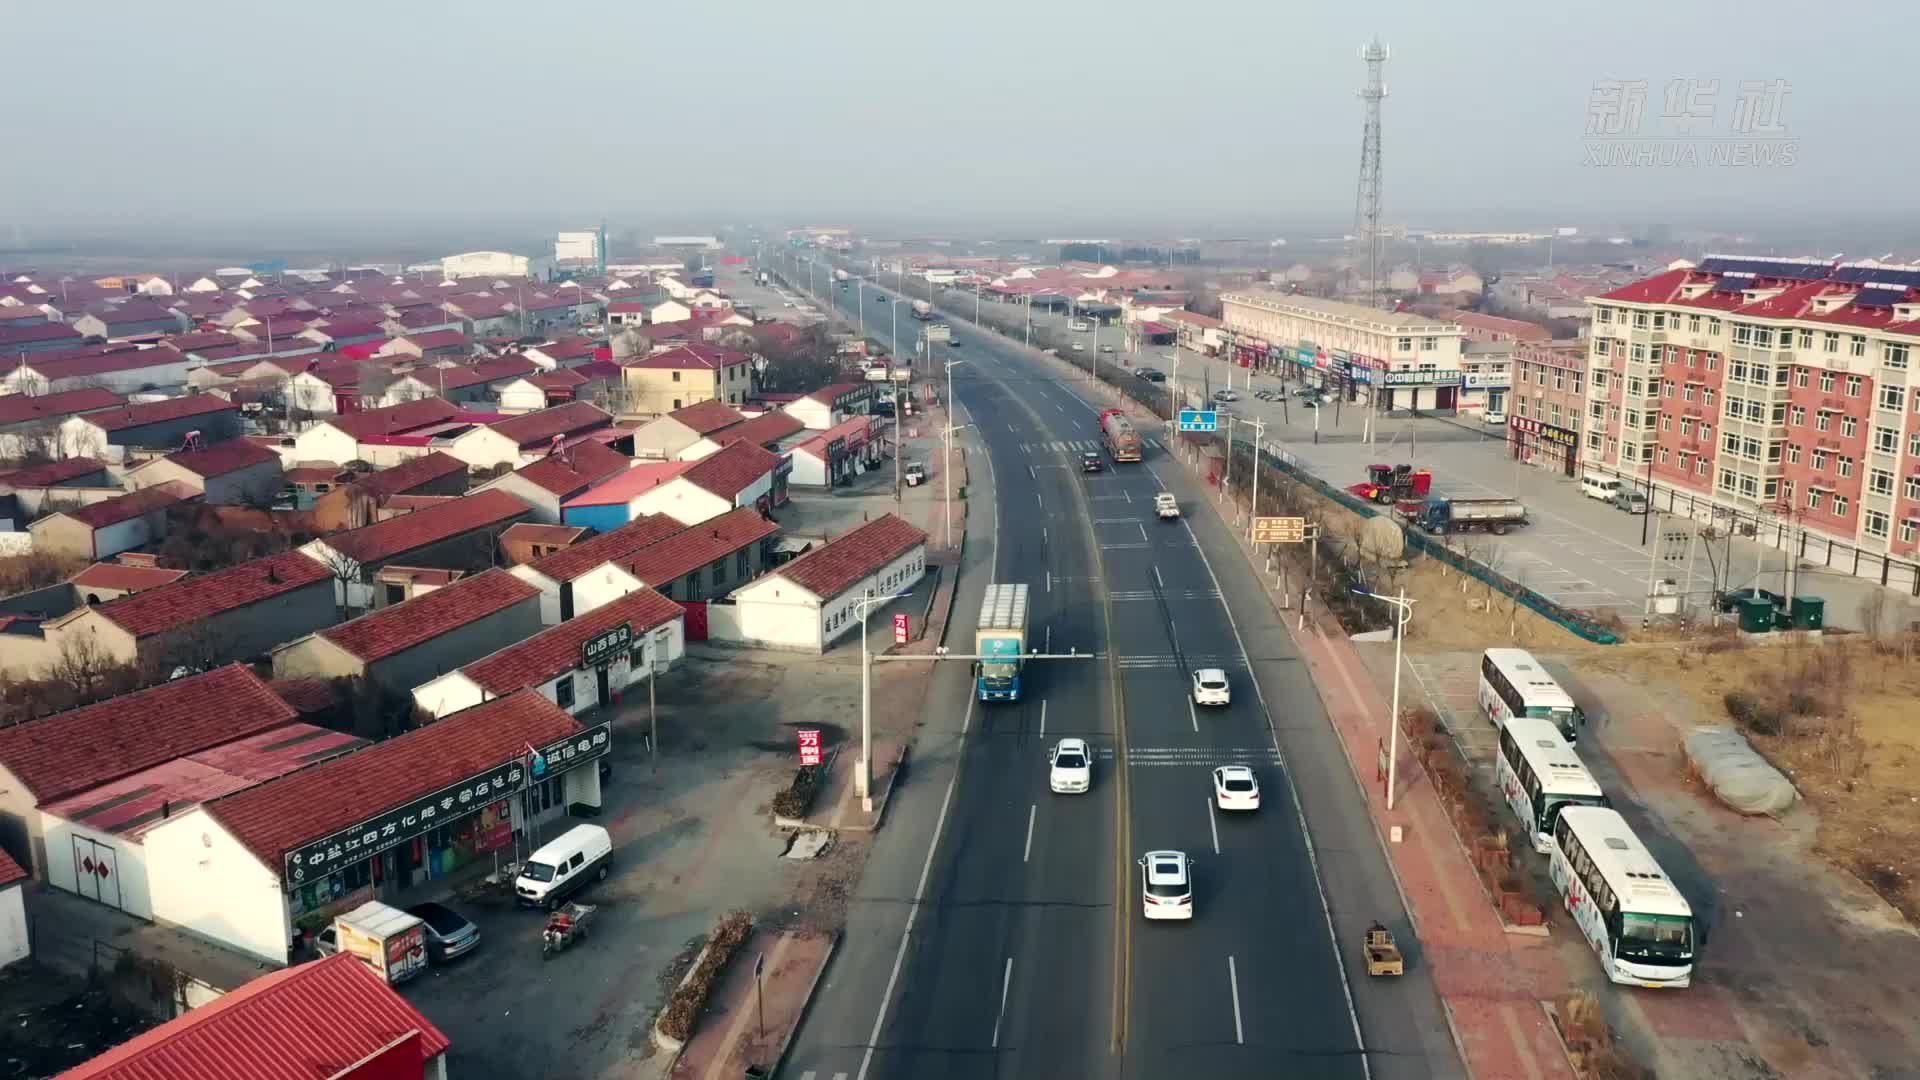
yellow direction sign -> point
(1279, 530)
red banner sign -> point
(901, 628)
(810, 746)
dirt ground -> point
(1855, 758)
(1455, 611)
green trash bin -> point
(1809, 612)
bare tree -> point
(347, 572)
(84, 670)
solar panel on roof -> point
(1879, 297)
(1878, 275)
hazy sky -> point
(1195, 114)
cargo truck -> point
(390, 941)
(1440, 516)
(840, 276)
(1001, 642)
(922, 310)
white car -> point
(1226, 395)
(1166, 885)
(1072, 768)
(1210, 687)
(1235, 788)
(1166, 505)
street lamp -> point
(860, 301)
(1259, 432)
(866, 701)
(946, 473)
(1173, 386)
(1403, 614)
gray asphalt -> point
(1012, 967)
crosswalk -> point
(1165, 660)
(1062, 446)
(1202, 756)
(1122, 596)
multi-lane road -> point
(999, 931)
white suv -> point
(1210, 687)
(1166, 885)
(1072, 768)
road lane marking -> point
(1032, 812)
(1299, 815)
(913, 912)
(1157, 579)
(1213, 825)
(1043, 701)
(1129, 495)
(1233, 983)
(1049, 581)
(1143, 536)
(1031, 475)
(1006, 980)
(1193, 715)
(1059, 406)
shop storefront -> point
(1422, 389)
(1535, 443)
(1485, 391)
(441, 832)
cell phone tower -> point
(1366, 204)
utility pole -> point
(899, 447)
(1259, 432)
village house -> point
(404, 644)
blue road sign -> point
(1199, 420)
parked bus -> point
(1540, 774)
(1512, 683)
(1631, 913)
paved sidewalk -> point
(1490, 982)
(743, 1027)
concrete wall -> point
(129, 871)
(448, 694)
(662, 439)
(49, 499)
(15, 944)
(549, 592)
(240, 634)
(684, 501)
(215, 888)
(601, 586)
(254, 483)
(324, 442)
(546, 505)
(59, 534)
(483, 448)
(775, 613)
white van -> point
(563, 866)
(1599, 487)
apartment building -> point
(1406, 361)
(1546, 403)
(1780, 388)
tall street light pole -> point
(946, 475)
(865, 778)
(1403, 614)
(1259, 432)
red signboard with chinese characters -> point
(810, 746)
(901, 628)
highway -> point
(1028, 954)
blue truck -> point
(1001, 642)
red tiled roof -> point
(410, 474)
(644, 476)
(830, 394)
(25, 408)
(573, 418)
(170, 607)
(175, 718)
(579, 467)
(1517, 329)
(53, 473)
(394, 419)
(120, 577)
(223, 457)
(27, 335)
(435, 339)
(397, 503)
(532, 532)
(394, 629)
(763, 429)
(566, 348)
(1193, 318)
(690, 357)
(707, 416)
(125, 359)
(831, 569)
(570, 563)
(557, 379)
(300, 1023)
(665, 562)
(409, 532)
(312, 803)
(728, 471)
(308, 694)
(10, 871)
(155, 412)
(547, 654)
(127, 507)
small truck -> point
(916, 474)
(1165, 505)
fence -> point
(1777, 531)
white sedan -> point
(1235, 788)
(1210, 687)
(1071, 771)
(1166, 886)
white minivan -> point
(1596, 486)
(564, 866)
